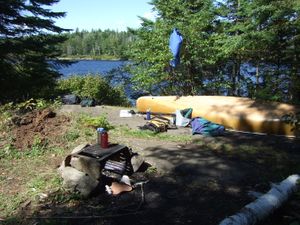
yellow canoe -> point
(237, 113)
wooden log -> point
(265, 204)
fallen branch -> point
(265, 204)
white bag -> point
(180, 120)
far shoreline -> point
(70, 58)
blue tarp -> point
(175, 44)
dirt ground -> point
(194, 183)
(37, 127)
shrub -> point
(95, 122)
(6, 112)
(93, 86)
(31, 104)
(71, 84)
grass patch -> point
(83, 129)
(80, 131)
(43, 182)
(72, 135)
(28, 174)
(9, 152)
(62, 196)
(9, 204)
(146, 134)
(26, 179)
(25, 175)
(89, 133)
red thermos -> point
(104, 139)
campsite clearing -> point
(192, 180)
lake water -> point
(83, 67)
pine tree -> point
(27, 42)
(263, 34)
(276, 33)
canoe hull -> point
(237, 113)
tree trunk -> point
(238, 77)
(256, 78)
(233, 79)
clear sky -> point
(102, 14)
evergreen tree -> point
(280, 21)
(97, 44)
(263, 34)
(26, 44)
(194, 19)
(233, 47)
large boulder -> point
(80, 173)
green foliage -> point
(63, 196)
(293, 119)
(43, 183)
(39, 104)
(151, 50)
(268, 94)
(6, 208)
(219, 38)
(25, 49)
(28, 105)
(6, 112)
(43, 104)
(95, 122)
(145, 134)
(38, 148)
(151, 171)
(96, 44)
(93, 86)
(72, 135)
(10, 152)
(6, 107)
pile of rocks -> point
(89, 169)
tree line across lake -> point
(230, 47)
(97, 44)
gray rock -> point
(78, 181)
(136, 162)
(87, 165)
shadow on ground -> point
(198, 183)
